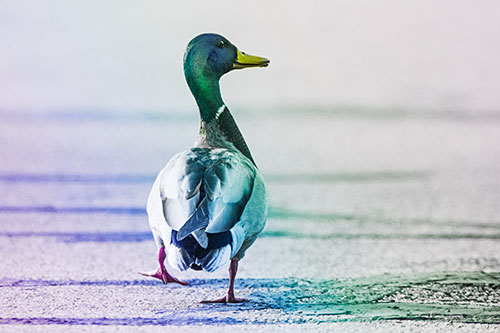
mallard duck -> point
(209, 203)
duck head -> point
(207, 58)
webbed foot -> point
(226, 299)
(164, 277)
(161, 273)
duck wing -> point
(205, 189)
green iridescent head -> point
(207, 58)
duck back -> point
(209, 187)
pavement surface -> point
(377, 223)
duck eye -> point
(221, 43)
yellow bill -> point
(244, 60)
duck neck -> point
(225, 124)
(206, 92)
(218, 127)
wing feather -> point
(205, 188)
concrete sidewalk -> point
(399, 237)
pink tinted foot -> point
(164, 277)
(226, 299)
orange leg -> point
(229, 297)
(162, 273)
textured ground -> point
(376, 223)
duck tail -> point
(196, 225)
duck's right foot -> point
(229, 298)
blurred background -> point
(127, 55)
(376, 127)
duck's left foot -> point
(164, 277)
(226, 299)
(161, 273)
